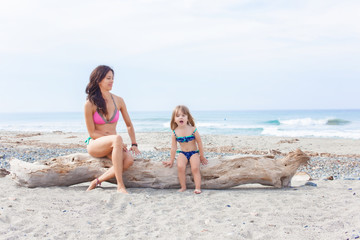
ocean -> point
(287, 123)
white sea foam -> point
(275, 131)
(44, 127)
(305, 122)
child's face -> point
(181, 118)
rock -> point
(311, 184)
(3, 172)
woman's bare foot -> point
(94, 183)
(182, 190)
(122, 190)
(197, 191)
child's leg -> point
(195, 169)
(181, 165)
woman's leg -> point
(128, 161)
(110, 173)
(181, 165)
(102, 147)
(195, 169)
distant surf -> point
(289, 123)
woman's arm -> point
(172, 151)
(129, 125)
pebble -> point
(318, 167)
(332, 168)
(311, 184)
(36, 154)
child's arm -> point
(172, 151)
(203, 159)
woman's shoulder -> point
(116, 96)
(89, 106)
(118, 99)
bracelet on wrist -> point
(134, 145)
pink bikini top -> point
(100, 119)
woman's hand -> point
(203, 160)
(168, 164)
(125, 147)
(135, 150)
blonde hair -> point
(185, 110)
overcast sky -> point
(209, 55)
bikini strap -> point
(194, 131)
(174, 133)
(114, 102)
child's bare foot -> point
(94, 183)
(122, 190)
(197, 191)
(182, 190)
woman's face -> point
(107, 83)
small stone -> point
(311, 184)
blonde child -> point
(185, 132)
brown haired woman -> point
(101, 117)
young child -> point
(185, 132)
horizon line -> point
(197, 110)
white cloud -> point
(184, 38)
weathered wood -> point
(218, 174)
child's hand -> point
(203, 160)
(168, 164)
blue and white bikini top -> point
(186, 138)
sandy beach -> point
(324, 209)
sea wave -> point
(228, 126)
(275, 131)
(314, 122)
(337, 121)
(273, 122)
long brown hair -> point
(186, 111)
(93, 89)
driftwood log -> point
(218, 174)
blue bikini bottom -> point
(188, 154)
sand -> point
(329, 210)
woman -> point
(101, 117)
